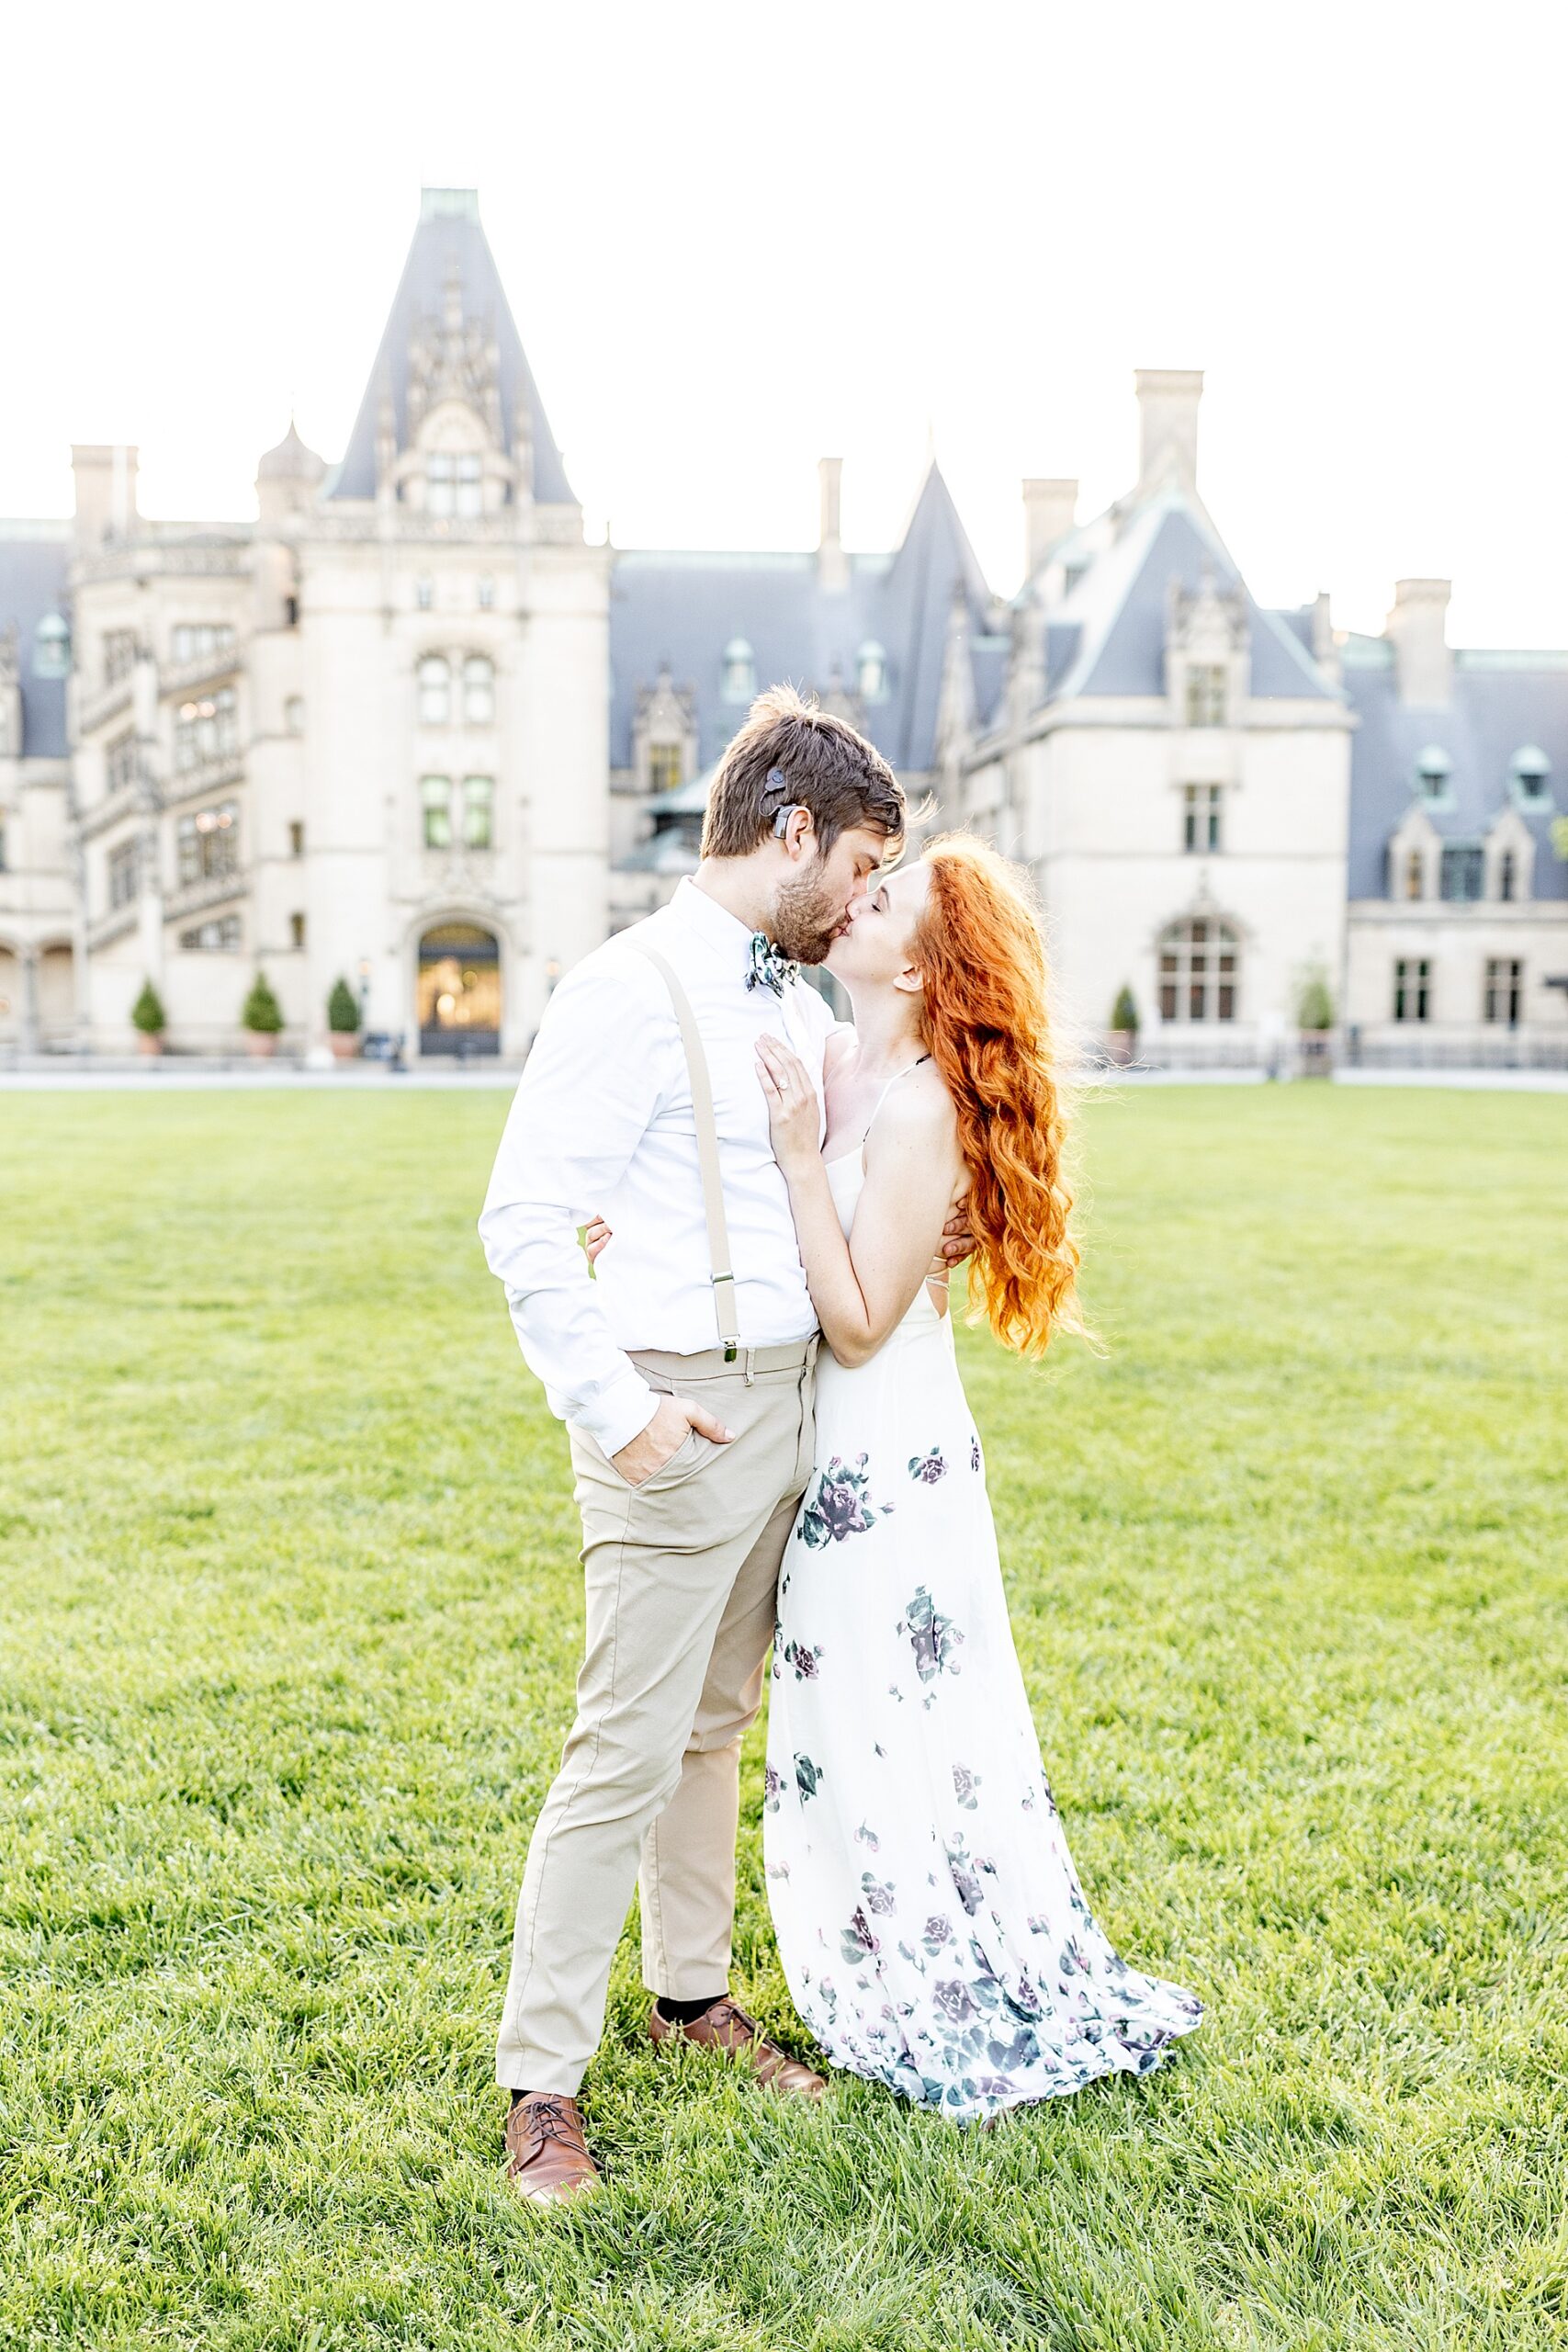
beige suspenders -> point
(707, 1154)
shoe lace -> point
(551, 2119)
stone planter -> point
(261, 1043)
(344, 1044)
(149, 1044)
(1121, 1044)
(1315, 1060)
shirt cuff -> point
(620, 1412)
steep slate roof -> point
(1121, 603)
(445, 240)
(35, 559)
(1500, 702)
(680, 611)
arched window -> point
(871, 672)
(740, 671)
(453, 484)
(1530, 773)
(1433, 769)
(1414, 874)
(434, 691)
(52, 647)
(478, 691)
(1198, 970)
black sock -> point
(685, 2012)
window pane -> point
(436, 792)
(1168, 1001)
(479, 690)
(478, 797)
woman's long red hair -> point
(986, 1024)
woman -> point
(930, 1923)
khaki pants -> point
(681, 1579)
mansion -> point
(409, 729)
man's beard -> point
(806, 918)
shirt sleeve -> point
(588, 1094)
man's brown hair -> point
(814, 762)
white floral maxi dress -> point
(931, 1927)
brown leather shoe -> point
(726, 2026)
(547, 2157)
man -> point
(690, 1457)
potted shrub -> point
(342, 1020)
(148, 1019)
(1314, 1019)
(1122, 1040)
(262, 1017)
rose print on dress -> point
(928, 1468)
(808, 1776)
(856, 1941)
(965, 1882)
(878, 1892)
(933, 1637)
(840, 1505)
(803, 1660)
(965, 1784)
(974, 1454)
(773, 1789)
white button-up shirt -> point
(603, 1121)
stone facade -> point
(410, 730)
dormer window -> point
(454, 484)
(1530, 774)
(434, 691)
(1205, 693)
(1414, 875)
(666, 767)
(52, 647)
(871, 672)
(740, 671)
(1433, 769)
(1507, 876)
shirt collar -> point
(723, 931)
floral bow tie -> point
(768, 968)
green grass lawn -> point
(288, 1628)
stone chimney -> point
(105, 492)
(1167, 428)
(1049, 508)
(1415, 629)
(833, 571)
(1325, 644)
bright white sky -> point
(738, 236)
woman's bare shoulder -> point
(918, 1110)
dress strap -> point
(883, 1097)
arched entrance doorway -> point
(458, 990)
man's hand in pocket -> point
(664, 1436)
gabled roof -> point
(35, 562)
(1499, 702)
(680, 611)
(450, 244)
(1121, 606)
